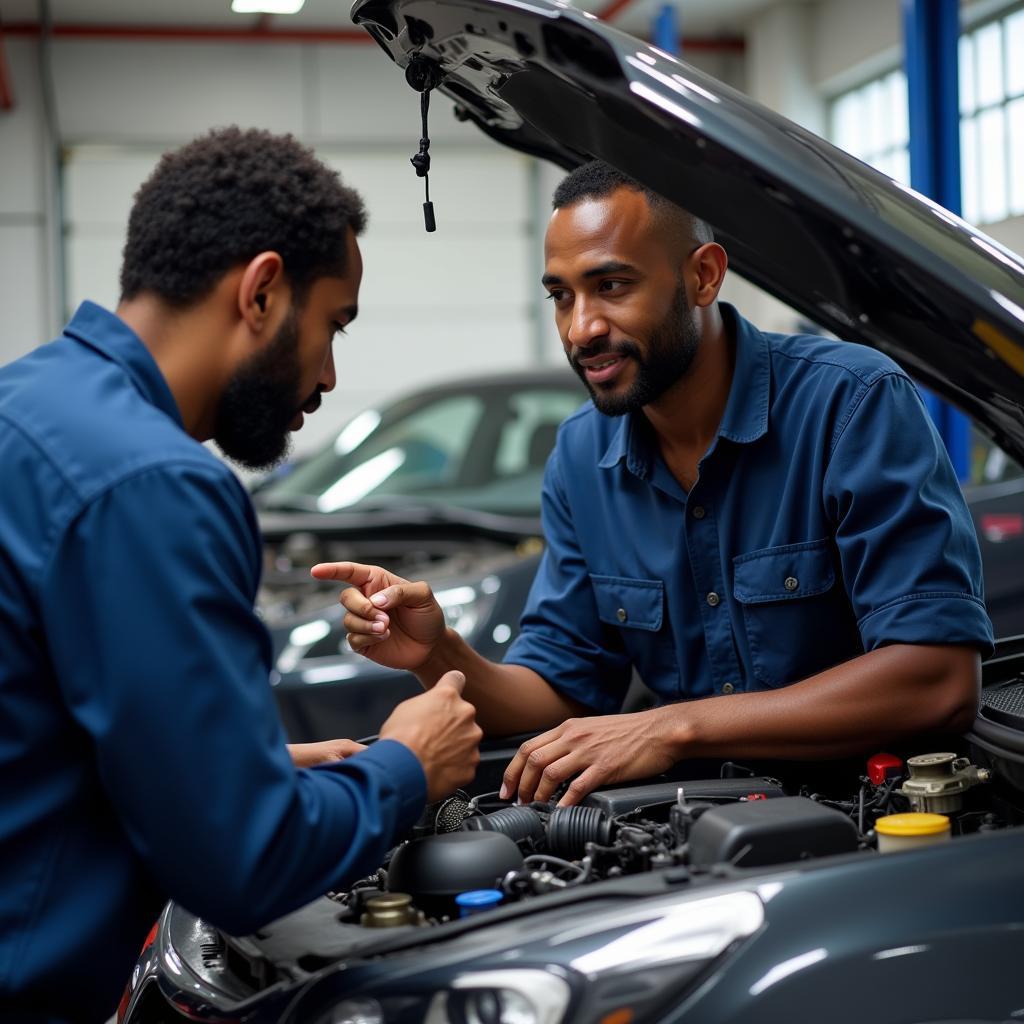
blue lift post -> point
(931, 33)
(665, 33)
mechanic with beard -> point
(141, 755)
(766, 522)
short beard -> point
(261, 400)
(671, 348)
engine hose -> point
(571, 828)
(516, 822)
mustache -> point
(311, 404)
(603, 348)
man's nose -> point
(328, 375)
(586, 326)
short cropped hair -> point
(224, 198)
(597, 179)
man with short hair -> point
(766, 522)
(141, 755)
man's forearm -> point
(874, 699)
(509, 699)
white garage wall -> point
(463, 298)
(432, 306)
(26, 297)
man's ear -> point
(708, 263)
(261, 290)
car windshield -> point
(481, 448)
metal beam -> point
(175, 33)
(931, 33)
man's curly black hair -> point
(597, 179)
(226, 197)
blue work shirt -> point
(826, 521)
(141, 754)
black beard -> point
(670, 352)
(260, 401)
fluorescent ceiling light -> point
(267, 6)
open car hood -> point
(854, 251)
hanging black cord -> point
(421, 161)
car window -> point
(482, 449)
(529, 433)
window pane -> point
(989, 56)
(1015, 132)
(992, 162)
(876, 129)
(1015, 53)
(846, 122)
(969, 170)
(898, 108)
(902, 166)
(966, 71)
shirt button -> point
(621, 615)
(728, 688)
(791, 583)
(713, 599)
(698, 512)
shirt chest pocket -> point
(635, 604)
(797, 620)
(637, 608)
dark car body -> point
(723, 893)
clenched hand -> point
(440, 728)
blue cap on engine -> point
(476, 900)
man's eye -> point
(613, 285)
(338, 328)
(558, 295)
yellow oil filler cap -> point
(911, 830)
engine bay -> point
(468, 854)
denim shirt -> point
(826, 521)
(141, 754)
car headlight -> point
(615, 966)
(501, 997)
(321, 640)
(464, 607)
(515, 996)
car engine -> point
(468, 854)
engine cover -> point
(764, 832)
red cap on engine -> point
(883, 766)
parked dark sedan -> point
(442, 484)
(725, 893)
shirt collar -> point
(746, 411)
(109, 335)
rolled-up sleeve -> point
(906, 541)
(163, 662)
(561, 635)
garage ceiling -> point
(697, 18)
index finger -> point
(454, 679)
(347, 572)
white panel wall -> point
(24, 223)
(432, 305)
(465, 298)
(132, 91)
(460, 300)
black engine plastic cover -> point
(761, 832)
